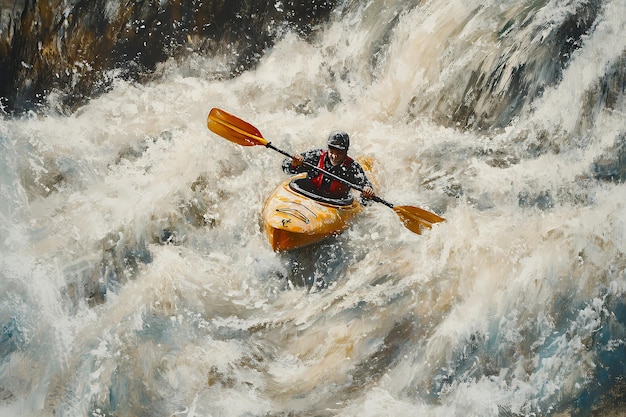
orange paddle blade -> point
(234, 129)
(415, 218)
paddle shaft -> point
(330, 174)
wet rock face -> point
(70, 46)
(498, 90)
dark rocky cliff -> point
(71, 46)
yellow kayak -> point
(294, 217)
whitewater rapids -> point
(136, 279)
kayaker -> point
(335, 160)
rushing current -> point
(136, 279)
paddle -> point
(243, 133)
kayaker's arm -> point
(290, 167)
(358, 176)
(309, 162)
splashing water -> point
(136, 278)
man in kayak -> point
(335, 160)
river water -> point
(136, 279)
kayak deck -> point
(294, 217)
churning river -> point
(136, 279)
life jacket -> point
(336, 187)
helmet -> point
(338, 139)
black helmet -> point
(338, 139)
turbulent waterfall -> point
(136, 279)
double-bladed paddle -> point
(243, 133)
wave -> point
(136, 278)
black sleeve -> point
(358, 175)
(290, 169)
(312, 157)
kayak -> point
(295, 217)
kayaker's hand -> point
(297, 160)
(368, 192)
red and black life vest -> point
(336, 187)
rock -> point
(50, 46)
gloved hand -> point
(368, 192)
(297, 160)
